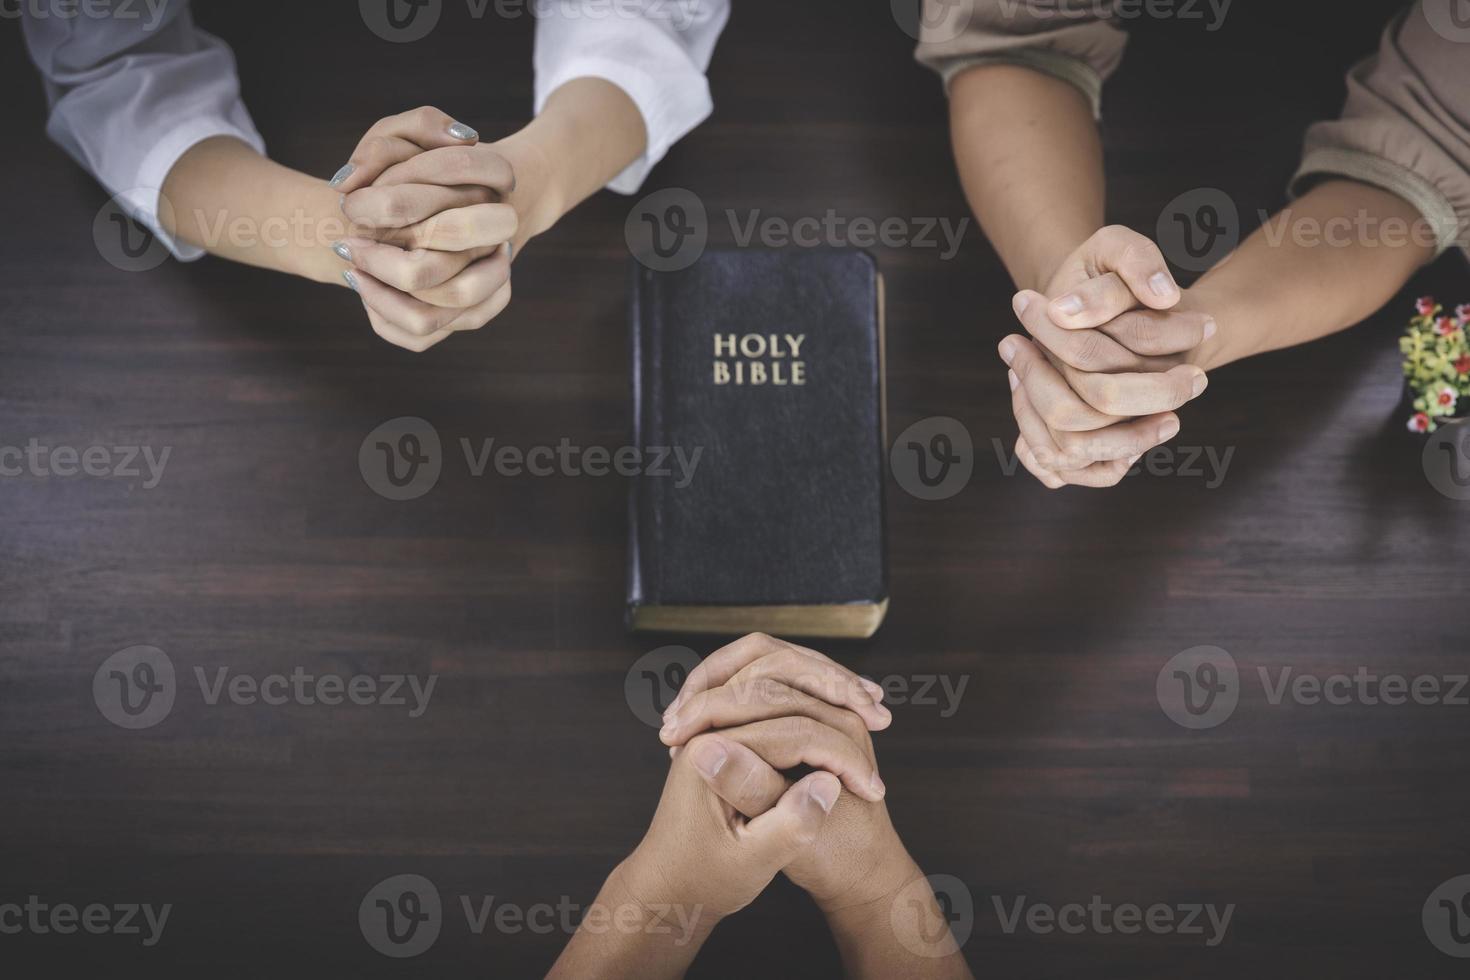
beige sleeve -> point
(1406, 125)
(1070, 44)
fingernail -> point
(1201, 382)
(824, 791)
(351, 280)
(1168, 430)
(1021, 303)
(462, 132)
(708, 757)
(1135, 459)
(876, 785)
(340, 177)
(342, 202)
(1008, 350)
(1014, 379)
(510, 251)
(343, 252)
(1211, 327)
(1069, 305)
(670, 726)
(1162, 285)
(873, 688)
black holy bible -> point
(766, 367)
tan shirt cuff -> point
(1406, 125)
(958, 36)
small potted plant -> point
(1437, 365)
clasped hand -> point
(1098, 381)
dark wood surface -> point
(1057, 778)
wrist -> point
(640, 890)
(1234, 337)
(855, 906)
(538, 197)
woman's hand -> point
(430, 251)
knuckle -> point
(1105, 394)
(394, 208)
(1142, 333)
(1089, 349)
(851, 724)
(1139, 253)
(420, 272)
(425, 115)
(774, 692)
(422, 322)
(459, 162)
(1058, 416)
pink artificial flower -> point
(1446, 398)
(1419, 423)
(1462, 366)
(1462, 313)
(1445, 327)
(1426, 306)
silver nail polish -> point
(343, 252)
(351, 280)
(340, 177)
(510, 251)
(462, 132)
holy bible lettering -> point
(759, 359)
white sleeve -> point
(657, 51)
(130, 94)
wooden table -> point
(1057, 776)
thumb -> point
(793, 823)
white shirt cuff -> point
(142, 200)
(670, 108)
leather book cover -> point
(769, 365)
